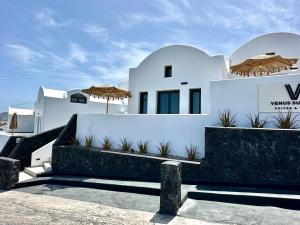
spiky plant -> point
(256, 122)
(286, 121)
(88, 141)
(226, 119)
(164, 149)
(75, 141)
(191, 152)
(125, 145)
(106, 144)
(143, 147)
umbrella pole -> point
(107, 106)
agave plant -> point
(75, 141)
(286, 121)
(125, 145)
(191, 152)
(106, 144)
(164, 149)
(256, 122)
(88, 141)
(143, 147)
(226, 119)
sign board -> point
(279, 97)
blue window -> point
(195, 101)
(143, 102)
(168, 102)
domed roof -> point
(284, 44)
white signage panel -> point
(281, 97)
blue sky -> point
(74, 44)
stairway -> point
(34, 171)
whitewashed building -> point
(25, 119)
(53, 108)
(178, 90)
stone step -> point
(24, 176)
(34, 171)
(47, 166)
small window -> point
(195, 101)
(78, 98)
(270, 53)
(168, 71)
(143, 102)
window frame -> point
(141, 102)
(169, 102)
(77, 97)
(165, 72)
(191, 100)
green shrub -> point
(255, 122)
(125, 145)
(226, 119)
(164, 149)
(143, 147)
(286, 121)
(106, 144)
(88, 141)
(191, 152)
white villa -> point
(176, 92)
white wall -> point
(42, 154)
(52, 112)
(179, 130)
(241, 95)
(25, 123)
(188, 65)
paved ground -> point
(55, 204)
(20, 208)
(121, 200)
(219, 212)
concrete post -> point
(170, 190)
(9, 172)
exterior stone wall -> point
(9, 172)
(256, 156)
(28, 145)
(76, 160)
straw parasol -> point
(109, 93)
(262, 65)
(13, 123)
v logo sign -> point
(293, 95)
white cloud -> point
(99, 33)
(23, 54)
(47, 18)
(77, 53)
(167, 11)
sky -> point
(75, 44)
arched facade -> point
(173, 73)
(285, 44)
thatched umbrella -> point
(13, 123)
(263, 65)
(109, 93)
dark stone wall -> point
(68, 134)
(9, 146)
(264, 156)
(76, 160)
(170, 187)
(9, 172)
(28, 145)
